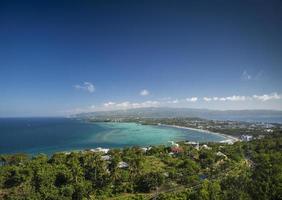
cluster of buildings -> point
(215, 124)
(106, 157)
(176, 149)
(234, 127)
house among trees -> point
(221, 155)
(176, 150)
(122, 165)
(106, 157)
(205, 147)
(194, 144)
(99, 149)
(246, 138)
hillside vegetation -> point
(244, 170)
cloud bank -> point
(128, 105)
(264, 97)
(196, 101)
(192, 99)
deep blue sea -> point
(49, 135)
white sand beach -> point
(230, 139)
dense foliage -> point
(244, 170)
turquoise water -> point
(49, 135)
(128, 134)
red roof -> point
(176, 149)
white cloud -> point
(192, 99)
(255, 76)
(246, 76)
(108, 104)
(129, 105)
(236, 98)
(125, 104)
(230, 98)
(175, 101)
(86, 86)
(144, 92)
(207, 99)
(222, 99)
(266, 97)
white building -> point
(205, 147)
(246, 138)
(122, 164)
(106, 157)
(221, 154)
(99, 149)
(269, 130)
(173, 144)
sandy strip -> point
(229, 137)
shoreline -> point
(228, 137)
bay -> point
(49, 135)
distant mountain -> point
(164, 112)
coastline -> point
(229, 138)
(81, 144)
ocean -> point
(50, 135)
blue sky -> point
(62, 57)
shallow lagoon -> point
(49, 135)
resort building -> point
(122, 164)
(99, 149)
(246, 138)
(106, 157)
